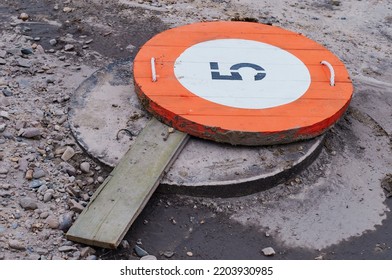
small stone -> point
(5, 115)
(31, 132)
(85, 167)
(269, 251)
(140, 252)
(68, 154)
(2, 55)
(48, 197)
(33, 256)
(25, 63)
(7, 92)
(2, 127)
(88, 41)
(52, 222)
(125, 244)
(29, 174)
(4, 170)
(336, 2)
(69, 47)
(28, 203)
(16, 244)
(86, 251)
(37, 39)
(53, 42)
(3, 61)
(76, 206)
(39, 173)
(100, 179)
(27, 51)
(65, 221)
(44, 215)
(148, 258)
(24, 16)
(67, 9)
(40, 49)
(189, 254)
(168, 254)
(68, 168)
(92, 258)
(36, 184)
(67, 248)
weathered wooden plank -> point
(123, 195)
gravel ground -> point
(48, 48)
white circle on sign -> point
(242, 73)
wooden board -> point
(242, 83)
(123, 195)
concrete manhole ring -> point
(105, 112)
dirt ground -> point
(338, 208)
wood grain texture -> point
(123, 195)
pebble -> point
(168, 254)
(85, 167)
(69, 47)
(140, 252)
(27, 51)
(100, 179)
(125, 244)
(16, 244)
(5, 115)
(269, 251)
(4, 170)
(67, 248)
(148, 258)
(36, 184)
(92, 258)
(25, 63)
(38, 173)
(53, 42)
(24, 16)
(68, 153)
(31, 132)
(86, 251)
(336, 2)
(189, 254)
(67, 9)
(3, 61)
(3, 54)
(7, 92)
(65, 221)
(48, 197)
(2, 127)
(28, 203)
(68, 168)
(44, 215)
(76, 206)
(52, 222)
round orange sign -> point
(241, 83)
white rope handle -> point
(153, 71)
(331, 70)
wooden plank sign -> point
(123, 195)
(241, 83)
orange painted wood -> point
(171, 102)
